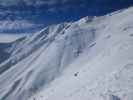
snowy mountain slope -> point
(7, 41)
(80, 57)
(3, 54)
(102, 72)
(31, 58)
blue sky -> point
(46, 12)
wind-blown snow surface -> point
(90, 59)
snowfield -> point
(90, 59)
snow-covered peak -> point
(85, 20)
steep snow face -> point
(104, 70)
(82, 58)
(37, 59)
